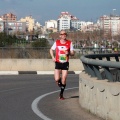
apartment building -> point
(30, 22)
(10, 25)
(9, 17)
(66, 21)
(14, 27)
(51, 25)
(75, 23)
(1, 25)
(86, 26)
(110, 25)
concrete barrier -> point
(100, 97)
(35, 65)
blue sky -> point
(44, 10)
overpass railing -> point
(102, 66)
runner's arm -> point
(52, 55)
(52, 52)
(72, 52)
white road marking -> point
(45, 72)
(8, 72)
(38, 72)
(35, 108)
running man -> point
(63, 48)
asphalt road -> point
(35, 97)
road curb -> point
(33, 72)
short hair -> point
(64, 31)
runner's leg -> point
(64, 77)
(57, 77)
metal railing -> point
(91, 50)
(102, 66)
(43, 52)
(25, 53)
(28, 53)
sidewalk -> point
(68, 109)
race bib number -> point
(62, 58)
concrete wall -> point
(35, 65)
(100, 97)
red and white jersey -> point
(61, 49)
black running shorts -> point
(62, 66)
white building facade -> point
(66, 21)
(1, 25)
(51, 25)
(110, 24)
(75, 24)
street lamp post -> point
(113, 23)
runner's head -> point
(63, 34)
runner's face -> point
(63, 35)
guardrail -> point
(102, 66)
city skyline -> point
(46, 10)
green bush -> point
(42, 42)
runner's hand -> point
(53, 59)
(66, 52)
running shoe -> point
(61, 97)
